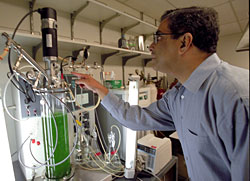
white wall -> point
(10, 124)
(226, 51)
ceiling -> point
(233, 14)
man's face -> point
(164, 49)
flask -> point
(113, 158)
(96, 154)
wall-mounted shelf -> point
(91, 10)
(27, 39)
(98, 12)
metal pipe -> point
(25, 55)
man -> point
(209, 107)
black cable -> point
(61, 66)
(27, 94)
(25, 91)
(15, 84)
(14, 81)
(13, 36)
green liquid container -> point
(49, 137)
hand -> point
(91, 84)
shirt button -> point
(181, 117)
(186, 158)
(182, 96)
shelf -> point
(92, 10)
(27, 39)
(67, 44)
(97, 11)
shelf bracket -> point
(73, 18)
(105, 56)
(104, 22)
(155, 22)
(146, 36)
(145, 61)
(35, 49)
(125, 29)
(141, 16)
(31, 8)
(124, 61)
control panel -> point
(30, 103)
(83, 97)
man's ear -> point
(186, 42)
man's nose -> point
(151, 47)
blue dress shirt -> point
(210, 113)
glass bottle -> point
(122, 42)
(78, 151)
(49, 135)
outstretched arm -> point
(91, 84)
(155, 117)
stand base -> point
(129, 173)
(66, 178)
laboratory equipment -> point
(51, 132)
(156, 152)
(48, 84)
(96, 154)
(44, 132)
(106, 120)
(112, 155)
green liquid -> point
(62, 149)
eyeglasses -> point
(157, 35)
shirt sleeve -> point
(154, 117)
(234, 132)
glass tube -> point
(49, 136)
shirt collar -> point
(200, 74)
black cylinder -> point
(49, 33)
(48, 13)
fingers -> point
(82, 86)
(80, 82)
(80, 75)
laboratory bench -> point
(168, 173)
